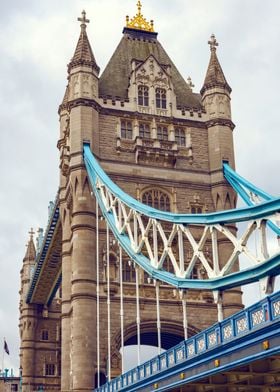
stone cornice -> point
(220, 121)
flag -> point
(6, 348)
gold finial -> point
(139, 6)
(213, 43)
(84, 20)
(138, 22)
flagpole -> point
(3, 356)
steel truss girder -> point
(140, 229)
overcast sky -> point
(37, 40)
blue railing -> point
(256, 316)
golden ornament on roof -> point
(138, 22)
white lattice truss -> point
(192, 250)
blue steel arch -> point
(270, 267)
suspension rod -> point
(121, 307)
(158, 317)
(108, 303)
(97, 297)
(185, 319)
(138, 314)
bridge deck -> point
(236, 352)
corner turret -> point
(216, 100)
(27, 320)
(83, 69)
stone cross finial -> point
(84, 20)
(213, 43)
(31, 232)
(190, 83)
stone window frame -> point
(180, 136)
(161, 98)
(50, 369)
(45, 334)
(126, 129)
(128, 271)
(144, 133)
(151, 197)
(196, 208)
(143, 95)
(162, 132)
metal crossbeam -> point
(152, 238)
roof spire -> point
(30, 253)
(83, 54)
(31, 232)
(214, 75)
(138, 22)
(213, 43)
(83, 20)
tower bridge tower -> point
(164, 145)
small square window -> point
(180, 137)
(162, 133)
(49, 369)
(126, 129)
(45, 334)
(144, 131)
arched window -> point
(196, 209)
(126, 129)
(144, 131)
(180, 136)
(161, 98)
(162, 133)
(143, 95)
(157, 199)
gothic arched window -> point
(143, 95)
(162, 133)
(180, 136)
(161, 98)
(144, 131)
(196, 209)
(157, 199)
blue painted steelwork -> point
(40, 258)
(245, 328)
(244, 188)
(239, 181)
(270, 267)
(222, 217)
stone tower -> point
(164, 145)
(39, 333)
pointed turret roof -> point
(83, 53)
(30, 253)
(214, 75)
